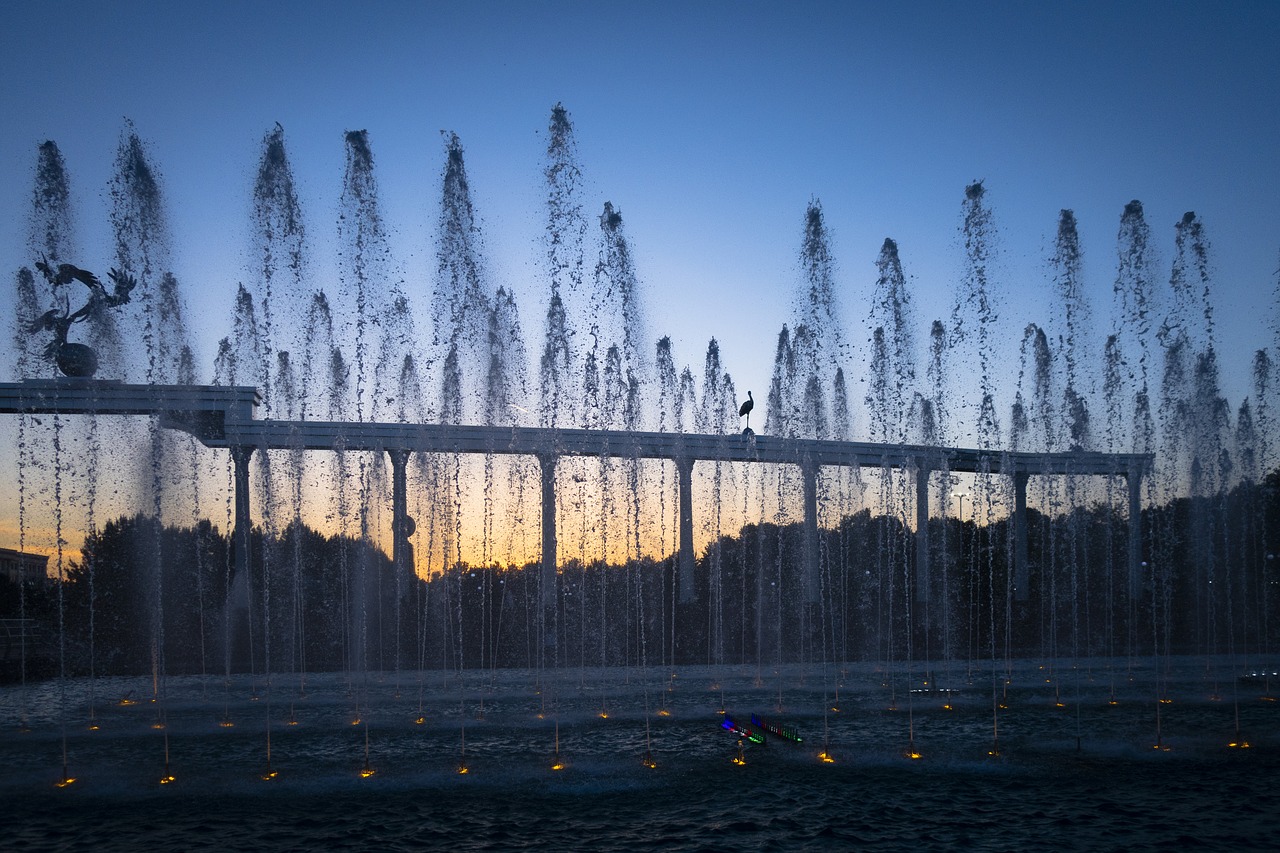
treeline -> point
(146, 596)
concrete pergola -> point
(223, 417)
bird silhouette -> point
(745, 408)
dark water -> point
(1112, 791)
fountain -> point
(423, 577)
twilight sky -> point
(710, 125)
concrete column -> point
(812, 567)
(547, 461)
(402, 525)
(1135, 531)
(684, 568)
(1021, 557)
(241, 555)
(241, 537)
(923, 568)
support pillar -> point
(812, 566)
(241, 537)
(684, 566)
(1021, 558)
(241, 555)
(1134, 479)
(923, 567)
(402, 525)
(547, 462)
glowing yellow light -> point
(1244, 744)
(721, 712)
(1113, 702)
(420, 720)
(541, 716)
(1004, 707)
(124, 703)
(835, 709)
(994, 753)
(292, 721)
(93, 727)
(648, 761)
(166, 779)
(157, 725)
(227, 724)
(558, 765)
(604, 715)
(463, 769)
(913, 755)
(366, 772)
(663, 712)
(826, 757)
(1166, 701)
(1060, 704)
(1267, 698)
(739, 760)
(947, 707)
(356, 721)
(65, 781)
(268, 776)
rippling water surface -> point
(1074, 771)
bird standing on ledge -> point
(745, 409)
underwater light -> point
(226, 724)
(268, 776)
(366, 772)
(463, 769)
(647, 760)
(167, 778)
(420, 720)
(825, 757)
(65, 781)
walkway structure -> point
(222, 417)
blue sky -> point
(710, 125)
